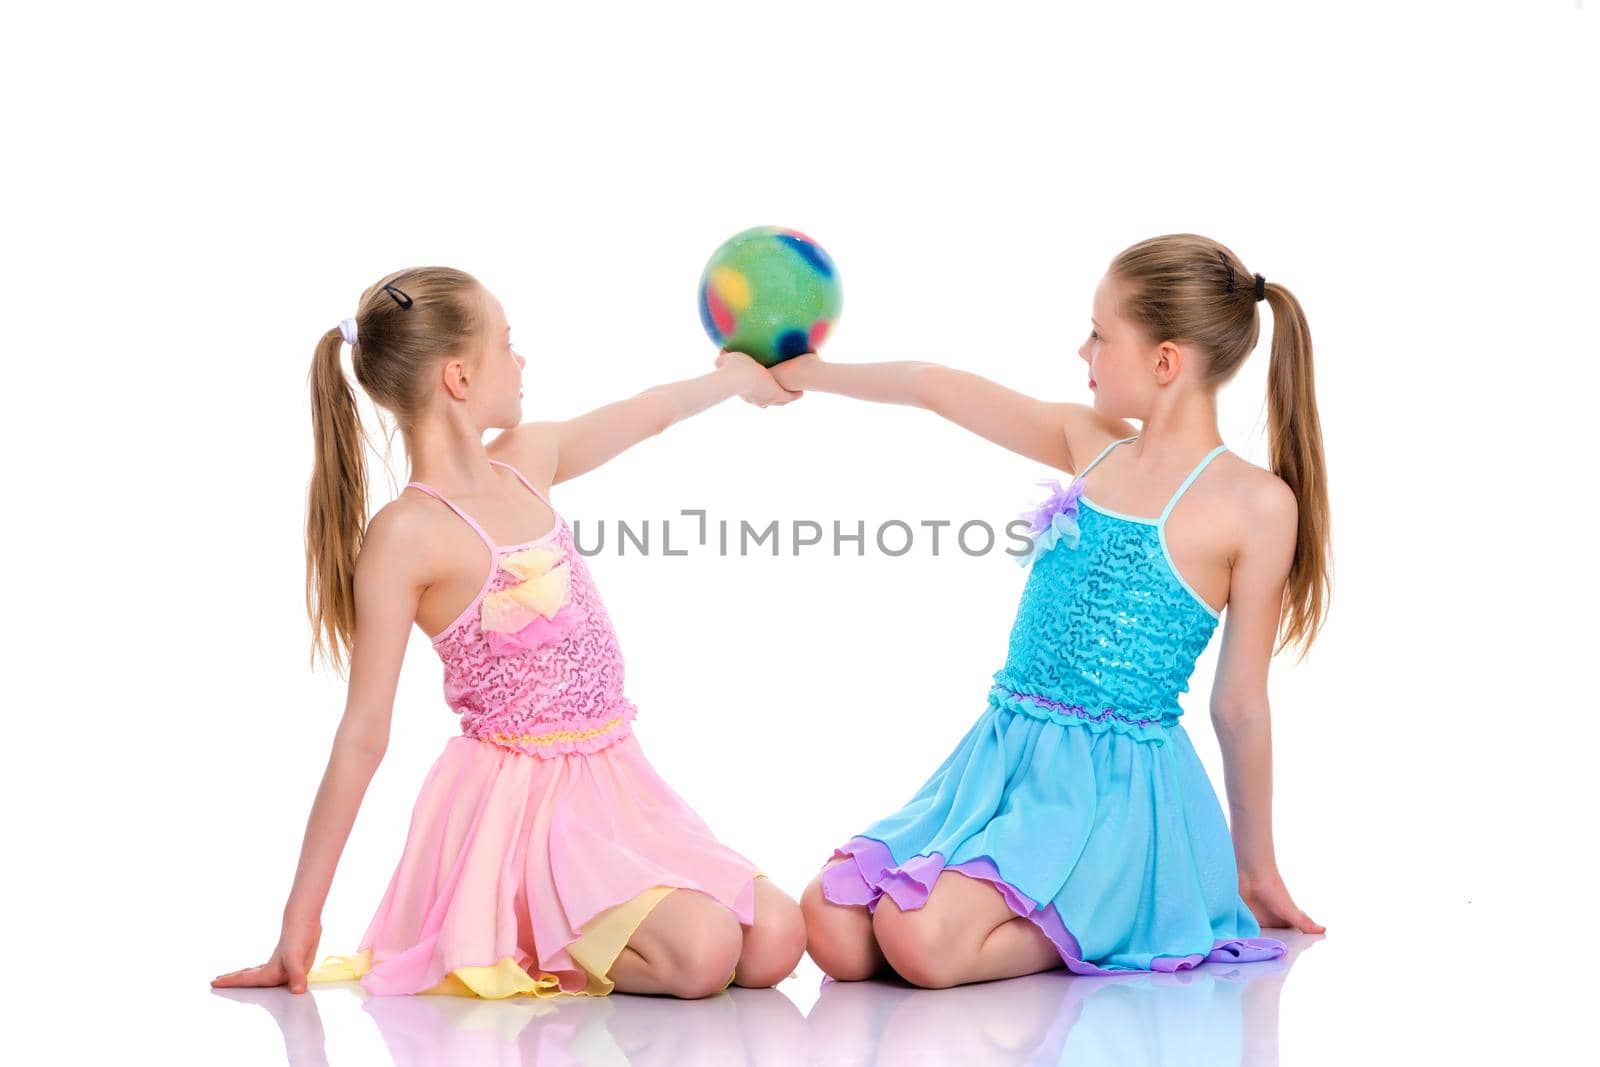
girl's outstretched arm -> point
(1239, 709)
(1049, 432)
(578, 445)
(390, 576)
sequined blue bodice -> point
(1107, 632)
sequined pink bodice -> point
(557, 692)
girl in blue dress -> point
(1073, 825)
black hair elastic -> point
(399, 297)
(1261, 287)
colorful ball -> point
(770, 292)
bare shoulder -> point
(1087, 432)
(531, 448)
(399, 540)
(1268, 511)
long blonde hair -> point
(1184, 287)
(405, 322)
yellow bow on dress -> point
(544, 590)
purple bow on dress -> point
(1054, 521)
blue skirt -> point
(1106, 836)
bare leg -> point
(840, 937)
(774, 943)
(688, 946)
(964, 933)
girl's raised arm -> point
(578, 445)
(1052, 433)
(390, 576)
(1239, 709)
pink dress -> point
(542, 836)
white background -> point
(194, 193)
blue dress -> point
(1077, 793)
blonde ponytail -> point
(405, 323)
(1187, 287)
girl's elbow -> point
(363, 745)
(925, 386)
(366, 754)
(662, 415)
(1237, 715)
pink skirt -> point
(528, 874)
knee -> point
(915, 944)
(773, 946)
(704, 959)
(838, 936)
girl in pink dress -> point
(545, 855)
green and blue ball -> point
(770, 292)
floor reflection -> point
(1215, 1014)
(756, 1027)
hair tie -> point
(1261, 287)
(399, 297)
(347, 328)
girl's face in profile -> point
(499, 369)
(1117, 355)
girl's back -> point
(532, 662)
(1108, 629)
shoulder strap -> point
(468, 519)
(1103, 451)
(1198, 467)
(521, 478)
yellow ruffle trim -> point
(557, 735)
(595, 951)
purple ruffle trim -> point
(872, 872)
(1079, 710)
